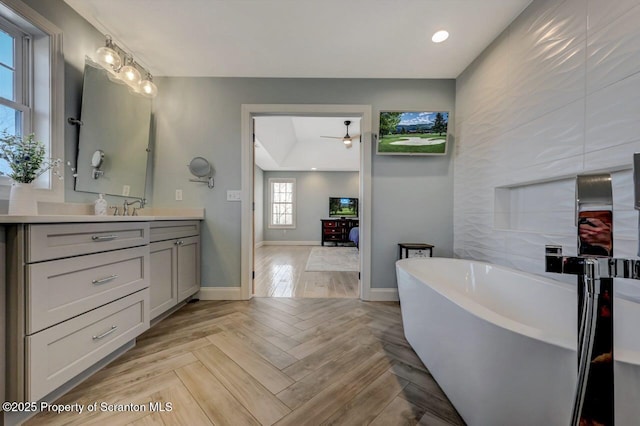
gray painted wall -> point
(313, 190)
(258, 198)
(412, 196)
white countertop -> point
(70, 218)
(59, 215)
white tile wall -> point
(603, 12)
(612, 113)
(548, 45)
(557, 94)
(612, 50)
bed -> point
(354, 235)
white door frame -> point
(251, 110)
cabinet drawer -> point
(59, 353)
(65, 240)
(60, 289)
(329, 224)
(167, 230)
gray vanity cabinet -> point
(175, 264)
(77, 294)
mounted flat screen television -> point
(343, 207)
(413, 133)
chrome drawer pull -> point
(105, 279)
(104, 237)
(179, 243)
(106, 333)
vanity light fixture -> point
(111, 57)
(440, 36)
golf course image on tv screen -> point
(413, 133)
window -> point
(31, 86)
(283, 203)
(14, 98)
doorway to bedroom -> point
(306, 206)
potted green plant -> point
(27, 160)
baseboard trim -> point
(259, 244)
(291, 243)
(219, 293)
(383, 295)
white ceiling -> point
(296, 143)
(302, 38)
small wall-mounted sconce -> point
(96, 161)
(201, 168)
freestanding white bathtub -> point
(502, 343)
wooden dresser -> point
(337, 230)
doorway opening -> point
(306, 198)
(295, 241)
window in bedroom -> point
(31, 87)
(283, 203)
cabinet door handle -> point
(106, 333)
(179, 243)
(104, 237)
(105, 279)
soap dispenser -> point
(100, 206)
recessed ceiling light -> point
(314, 168)
(440, 36)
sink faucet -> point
(125, 207)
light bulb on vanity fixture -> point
(148, 88)
(107, 55)
(129, 73)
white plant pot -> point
(22, 199)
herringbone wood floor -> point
(269, 361)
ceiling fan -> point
(346, 139)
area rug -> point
(333, 259)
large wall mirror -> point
(114, 136)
